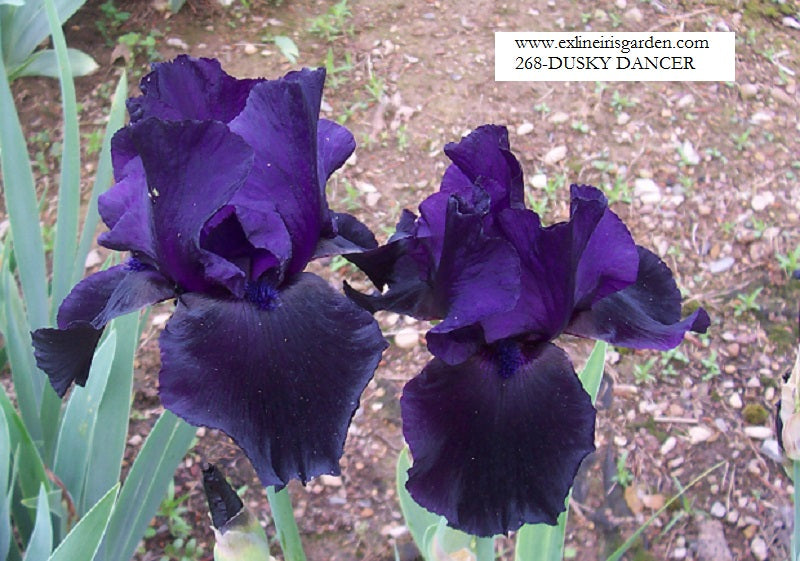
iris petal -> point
(287, 380)
(193, 168)
(65, 354)
(493, 451)
(190, 88)
(646, 315)
(484, 157)
(280, 123)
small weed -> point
(541, 108)
(142, 44)
(402, 138)
(113, 18)
(623, 477)
(375, 87)
(711, 365)
(619, 102)
(746, 303)
(336, 73)
(789, 262)
(580, 126)
(619, 191)
(728, 226)
(333, 23)
(742, 141)
(93, 141)
(670, 358)
(642, 371)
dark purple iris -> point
(220, 199)
(498, 422)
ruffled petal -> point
(192, 169)
(484, 157)
(349, 236)
(280, 123)
(287, 380)
(65, 354)
(190, 88)
(334, 145)
(566, 267)
(646, 315)
(497, 440)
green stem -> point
(288, 533)
(484, 549)
(796, 534)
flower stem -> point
(484, 549)
(288, 534)
(796, 533)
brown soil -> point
(415, 74)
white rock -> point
(93, 258)
(539, 181)
(685, 101)
(178, 43)
(699, 433)
(772, 450)
(559, 117)
(762, 200)
(721, 265)
(758, 433)
(623, 119)
(330, 480)
(524, 128)
(690, 155)
(669, 445)
(555, 155)
(718, 510)
(407, 338)
(790, 22)
(761, 117)
(679, 553)
(250, 49)
(735, 400)
(759, 548)
(634, 14)
(647, 190)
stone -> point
(720, 265)
(525, 128)
(762, 200)
(735, 400)
(711, 542)
(250, 49)
(669, 445)
(772, 450)
(539, 181)
(647, 190)
(623, 118)
(407, 338)
(689, 154)
(555, 155)
(748, 91)
(559, 117)
(718, 510)
(758, 433)
(759, 548)
(699, 433)
(635, 15)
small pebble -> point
(735, 400)
(669, 445)
(407, 338)
(524, 128)
(647, 190)
(758, 433)
(760, 201)
(721, 265)
(689, 154)
(718, 510)
(559, 117)
(679, 553)
(699, 433)
(623, 118)
(250, 49)
(539, 181)
(772, 450)
(635, 15)
(555, 155)
(759, 548)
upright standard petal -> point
(192, 170)
(280, 123)
(65, 354)
(646, 315)
(287, 379)
(190, 88)
(497, 440)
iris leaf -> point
(5, 466)
(418, 519)
(102, 179)
(41, 542)
(111, 428)
(80, 417)
(145, 486)
(69, 196)
(539, 542)
(23, 210)
(84, 539)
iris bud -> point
(790, 413)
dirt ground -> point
(703, 173)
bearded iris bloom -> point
(220, 200)
(498, 422)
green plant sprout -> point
(746, 303)
(642, 371)
(620, 102)
(623, 476)
(789, 261)
(333, 23)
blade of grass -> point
(617, 555)
(19, 193)
(102, 179)
(69, 188)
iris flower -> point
(220, 200)
(498, 422)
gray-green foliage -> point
(23, 27)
